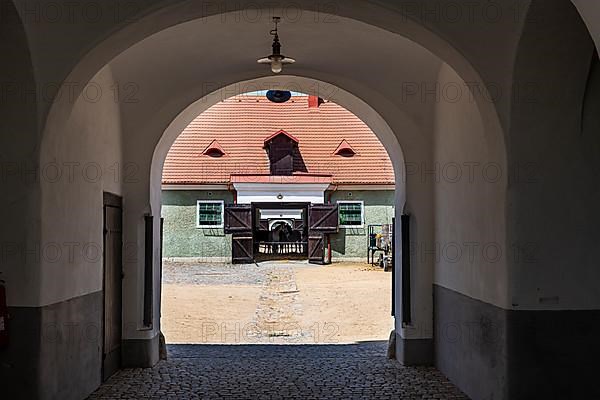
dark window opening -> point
(346, 153)
(210, 214)
(215, 153)
(351, 214)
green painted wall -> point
(183, 239)
(379, 209)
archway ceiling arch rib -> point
(171, 62)
(104, 41)
(119, 27)
(590, 13)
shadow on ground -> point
(348, 371)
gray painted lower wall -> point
(19, 362)
(488, 352)
(491, 353)
(470, 344)
(414, 351)
(553, 354)
(141, 353)
(55, 351)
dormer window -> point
(214, 150)
(281, 147)
(344, 150)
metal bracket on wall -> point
(406, 305)
(148, 271)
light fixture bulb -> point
(276, 59)
(276, 66)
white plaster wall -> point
(81, 159)
(470, 181)
(553, 200)
(311, 193)
(290, 214)
(258, 196)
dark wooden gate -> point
(322, 220)
(113, 274)
(316, 248)
(268, 244)
(238, 222)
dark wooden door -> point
(238, 222)
(316, 248)
(113, 239)
(322, 220)
(300, 226)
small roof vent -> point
(214, 150)
(344, 150)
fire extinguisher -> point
(3, 316)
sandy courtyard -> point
(275, 302)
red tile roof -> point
(241, 124)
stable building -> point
(250, 179)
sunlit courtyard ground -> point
(275, 302)
(340, 314)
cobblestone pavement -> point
(210, 274)
(354, 371)
(279, 308)
(202, 273)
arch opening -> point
(280, 221)
(397, 110)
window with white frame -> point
(352, 214)
(209, 214)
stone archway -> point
(169, 45)
(143, 123)
(300, 84)
(135, 133)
